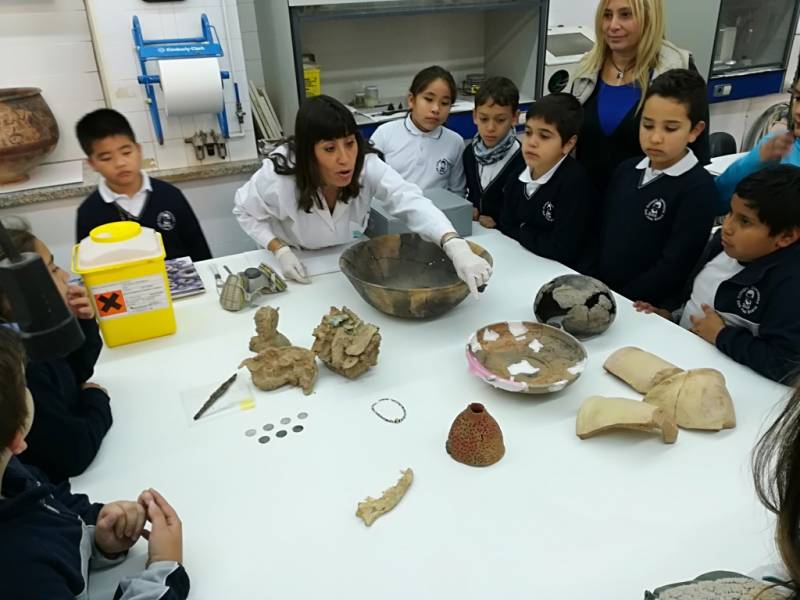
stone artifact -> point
(598, 414)
(268, 336)
(273, 367)
(372, 508)
(346, 344)
(525, 357)
(28, 132)
(581, 305)
(475, 438)
(696, 399)
(639, 369)
(405, 276)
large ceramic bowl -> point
(520, 356)
(405, 276)
(28, 132)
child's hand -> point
(777, 147)
(118, 527)
(79, 303)
(708, 326)
(487, 222)
(648, 308)
(166, 535)
(475, 214)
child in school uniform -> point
(53, 538)
(548, 205)
(420, 147)
(658, 211)
(744, 293)
(494, 157)
(127, 193)
(73, 414)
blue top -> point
(747, 165)
(614, 102)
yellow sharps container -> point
(122, 265)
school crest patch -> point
(442, 166)
(165, 220)
(655, 210)
(748, 300)
(547, 211)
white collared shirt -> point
(679, 168)
(531, 184)
(488, 173)
(133, 205)
(431, 159)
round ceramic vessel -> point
(405, 276)
(525, 357)
(581, 305)
(28, 132)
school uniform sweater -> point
(166, 210)
(552, 221)
(489, 199)
(70, 423)
(759, 307)
(652, 235)
(48, 545)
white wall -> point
(47, 44)
(119, 68)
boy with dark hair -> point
(51, 537)
(547, 206)
(127, 193)
(658, 211)
(494, 157)
(743, 294)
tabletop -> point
(557, 517)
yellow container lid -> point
(116, 244)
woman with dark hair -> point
(315, 190)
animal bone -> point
(372, 508)
(696, 399)
(598, 414)
(268, 336)
(274, 367)
(639, 369)
(346, 344)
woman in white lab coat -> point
(315, 191)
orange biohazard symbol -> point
(110, 303)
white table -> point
(558, 517)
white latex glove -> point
(471, 268)
(291, 267)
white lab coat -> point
(429, 159)
(266, 208)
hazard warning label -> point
(130, 297)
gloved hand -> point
(471, 268)
(291, 267)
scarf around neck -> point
(489, 156)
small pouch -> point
(241, 289)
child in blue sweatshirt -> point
(52, 538)
(658, 211)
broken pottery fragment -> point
(273, 367)
(598, 414)
(346, 344)
(475, 438)
(581, 305)
(372, 508)
(696, 399)
(639, 369)
(267, 334)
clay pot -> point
(28, 132)
(475, 438)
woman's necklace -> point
(620, 72)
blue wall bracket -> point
(206, 45)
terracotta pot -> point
(28, 132)
(475, 438)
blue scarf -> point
(489, 156)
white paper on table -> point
(317, 262)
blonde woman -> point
(630, 52)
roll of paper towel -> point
(191, 85)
